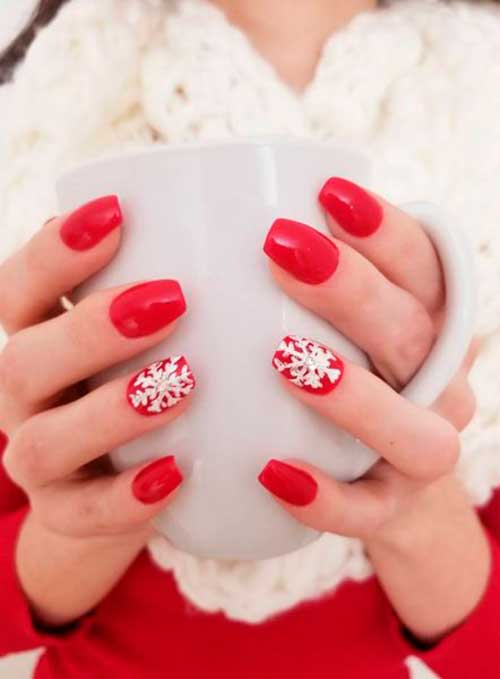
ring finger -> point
(416, 441)
(45, 448)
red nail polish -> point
(305, 253)
(289, 483)
(147, 307)
(88, 225)
(308, 365)
(353, 208)
(161, 386)
(157, 480)
(4, 441)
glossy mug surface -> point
(200, 214)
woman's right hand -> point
(55, 430)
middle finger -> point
(336, 282)
(105, 328)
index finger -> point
(60, 256)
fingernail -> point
(147, 307)
(289, 483)
(157, 480)
(305, 253)
(353, 208)
(88, 225)
(308, 365)
(161, 386)
(4, 440)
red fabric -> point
(145, 629)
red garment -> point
(144, 629)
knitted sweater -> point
(414, 84)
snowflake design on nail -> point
(308, 365)
(161, 385)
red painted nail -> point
(87, 226)
(157, 480)
(308, 365)
(161, 386)
(147, 307)
(353, 208)
(4, 441)
(289, 483)
(305, 253)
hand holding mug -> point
(391, 306)
(200, 214)
(56, 431)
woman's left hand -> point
(379, 282)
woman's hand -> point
(57, 433)
(379, 282)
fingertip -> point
(88, 225)
(288, 483)
(160, 386)
(303, 252)
(308, 365)
(146, 308)
(352, 207)
(157, 480)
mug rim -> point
(354, 154)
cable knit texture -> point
(415, 84)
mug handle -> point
(451, 347)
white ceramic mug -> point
(200, 214)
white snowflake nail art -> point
(308, 365)
(161, 385)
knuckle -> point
(48, 514)
(84, 322)
(13, 379)
(377, 520)
(26, 458)
(417, 335)
(44, 513)
(95, 516)
(366, 293)
(443, 451)
(87, 512)
(9, 464)
(382, 511)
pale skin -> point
(426, 543)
